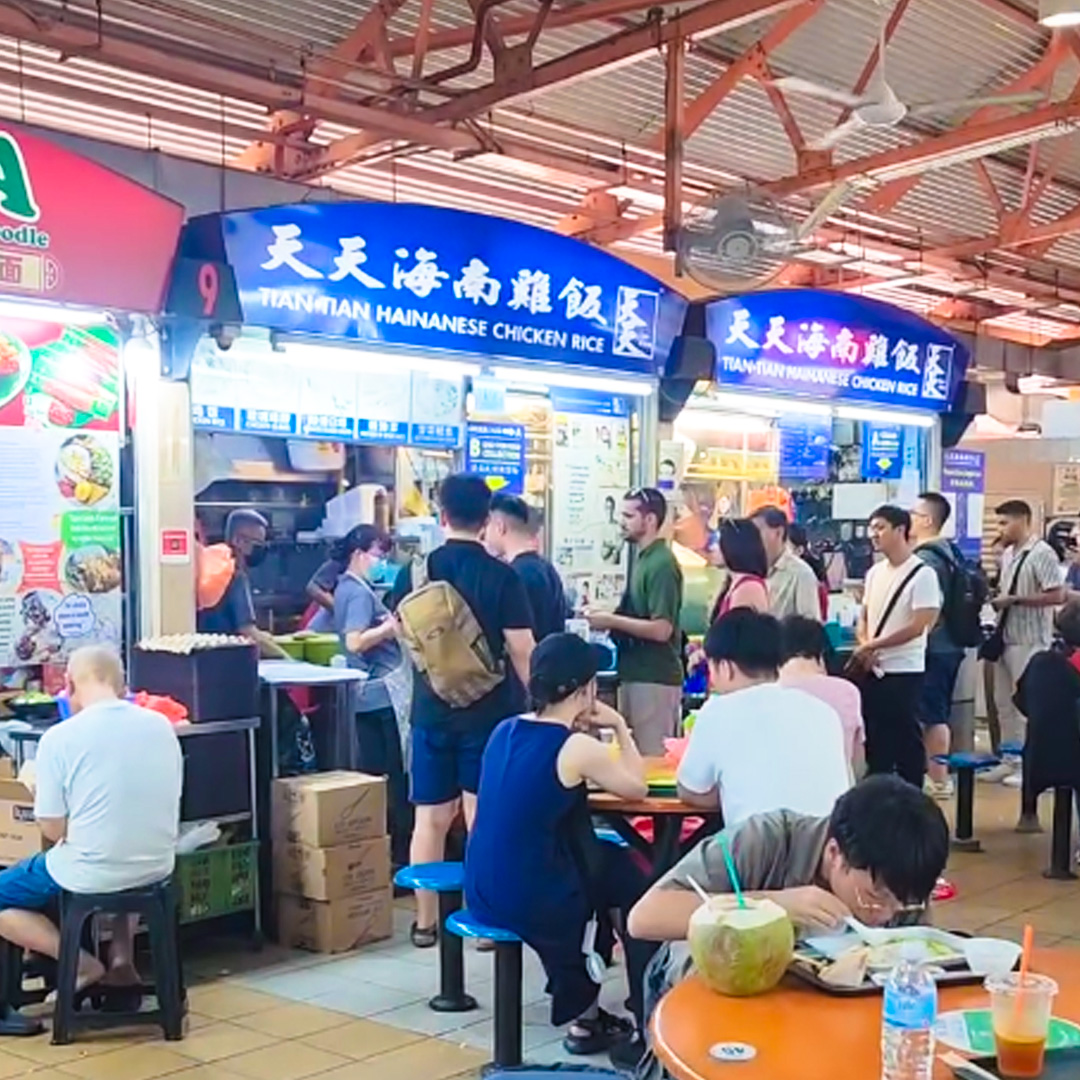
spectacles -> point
(893, 907)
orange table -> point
(803, 1034)
(667, 813)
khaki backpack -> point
(446, 641)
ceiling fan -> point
(880, 108)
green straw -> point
(732, 873)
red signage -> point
(73, 231)
(175, 546)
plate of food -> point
(846, 964)
(93, 569)
(84, 470)
(15, 365)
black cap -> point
(561, 665)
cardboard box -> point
(332, 873)
(20, 836)
(336, 925)
(325, 810)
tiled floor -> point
(277, 1015)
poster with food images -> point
(60, 557)
(591, 473)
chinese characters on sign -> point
(497, 453)
(963, 483)
(430, 277)
(834, 345)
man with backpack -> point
(464, 618)
(964, 592)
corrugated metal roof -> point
(941, 49)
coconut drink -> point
(741, 951)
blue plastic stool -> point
(607, 835)
(448, 880)
(965, 766)
(507, 1051)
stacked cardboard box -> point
(331, 861)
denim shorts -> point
(935, 701)
(444, 763)
(28, 885)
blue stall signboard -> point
(497, 453)
(432, 278)
(214, 417)
(883, 451)
(963, 483)
(588, 402)
(805, 442)
(835, 346)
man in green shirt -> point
(646, 626)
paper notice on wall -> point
(60, 561)
(590, 476)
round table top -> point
(804, 1034)
(651, 804)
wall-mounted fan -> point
(740, 241)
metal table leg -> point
(274, 766)
(253, 782)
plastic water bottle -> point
(907, 1019)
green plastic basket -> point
(217, 881)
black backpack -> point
(965, 595)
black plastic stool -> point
(157, 905)
(447, 879)
(12, 1022)
(507, 1005)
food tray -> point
(952, 973)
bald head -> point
(94, 674)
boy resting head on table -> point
(877, 857)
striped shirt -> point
(1040, 572)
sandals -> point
(423, 937)
(598, 1035)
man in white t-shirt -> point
(758, 747)
(901, 602)
(107, 800)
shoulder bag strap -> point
(1014, 586)
(890, 607)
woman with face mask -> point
(368, 634)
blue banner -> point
(497, 453)
(433, 278)
(213, 417)
(963, 483)
(267, 422)
(805, 442)
(831, 345)
(883, 451)
(589, 402)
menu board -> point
(591, 475)
(252, 388)
(805, 442)
(60, 560)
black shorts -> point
(935, 700)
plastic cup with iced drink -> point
(1021, 1012)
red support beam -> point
(368, 39)
(422, 41)
(986, 181)
(514, 26)
(871, 65)
(626, 46)
(783, 111)
(698, 110)
(674, 140)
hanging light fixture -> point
(1057, 13)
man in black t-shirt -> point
(447, 743)
(234, 613)
(512, 535)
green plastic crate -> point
(217, 881)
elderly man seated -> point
(107, 800)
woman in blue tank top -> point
(533, 863)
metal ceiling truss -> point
(456, 90)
